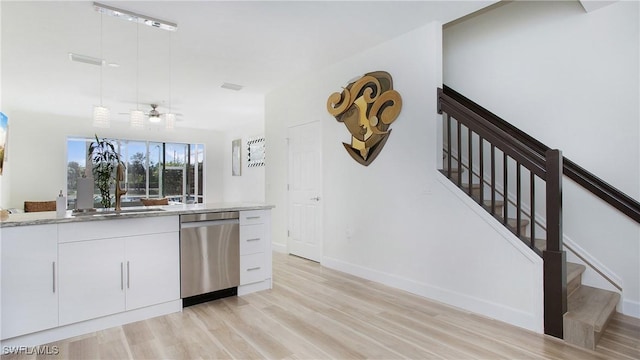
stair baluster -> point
(532, 210)
(545, 168)
(505, 187)
(586, 318)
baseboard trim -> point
(529, 321)
(279, 248)
(251, 288)
(89, 326)
(631, 308)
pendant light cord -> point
(138, 65)
(101, 57)
(170, 72)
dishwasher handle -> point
(198, 224)
(209, 216)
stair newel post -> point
(555, 270)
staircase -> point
(499, 167)
(589, 310)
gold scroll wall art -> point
(367, 107)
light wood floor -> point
(317, 313)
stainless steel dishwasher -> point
(209, 256)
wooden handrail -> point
(605, 191)
(547, 165)
(495, 135)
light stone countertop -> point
(49, 217)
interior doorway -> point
(304, 191)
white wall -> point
(570, 79)
(2, 190)
(250, 185)
(398, 221)
(37, 170)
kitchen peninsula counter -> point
(49, 217)
(65, 276)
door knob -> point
(317, 198)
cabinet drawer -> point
(252, 268)
(252, 217)
(113, 228)
(251, 239)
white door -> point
(305, 185)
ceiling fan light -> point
(170, 121)
(136, 119)
(101, 117)
(154, 119)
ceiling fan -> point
(154, 115)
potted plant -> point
(104, 159)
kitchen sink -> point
(100, 212)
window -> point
(195, 177)
(153, 170)
(76, 166)
(175, 172)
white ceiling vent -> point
(85, 59)
(230, 86)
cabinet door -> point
(92, 279)
(153, 269)
(29, 289)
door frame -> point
(319, 183)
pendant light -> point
(136, 117)
(101, 114)
(170, 118)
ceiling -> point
(257, 44)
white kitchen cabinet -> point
(153, 269)
(255, 250)
(252, 239)
(29, 279)
(106, 276)
(92, 277)
(251, 217)
(252, 268)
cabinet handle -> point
(128, 277)
(121, 276)
(254, 268)
(54, 276)
(253, 217)
(254, 239)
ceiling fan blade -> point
(128, 113)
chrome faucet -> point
(119, 191)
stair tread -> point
(514, 222)
(574, 270)
(592, 306)
(473, 186)
(499, 203)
